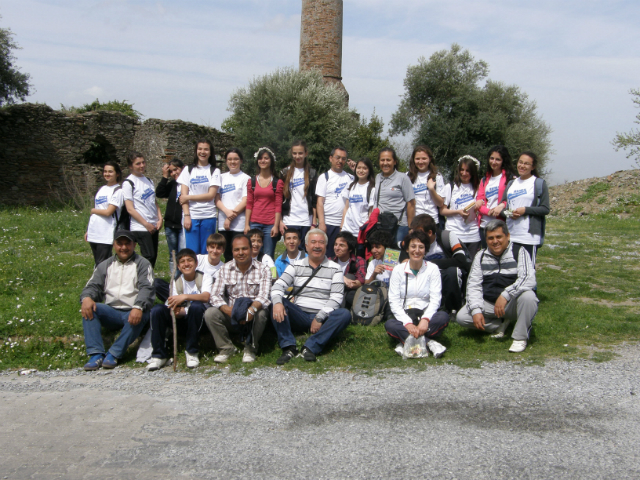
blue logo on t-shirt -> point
(355, 199)
(101, 200)
(296, 182)
(147, 193)
(339, 188)
(464, 200)
(198, 180)
(421, 187)
(227, 188)
(491, 192)
(516, 193)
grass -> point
(592, 191)
(587, 277)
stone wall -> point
(51, 155)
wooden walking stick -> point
(173, 313)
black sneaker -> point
(287, 355)
(308, 355)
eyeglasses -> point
(525, 164)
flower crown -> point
(255, 155)
(469, 157)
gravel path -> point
(562, 420)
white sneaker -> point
(499, 333)
(192, 360)
(248, 357)
(399, 349)
(436, 348)
(518, 346)
(223, 357)
(156, 364)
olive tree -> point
(450, 105)
(14, 85)
(630, 140)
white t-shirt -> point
(199, 181)
(521, 194)
(100, 229)
(358, 211)
(144, 200)
(232, 189)
(299, 213)
(343, 265)
(381, 277)
(491, 190)
(466, 230)
(331, 190)
(191, 288)
(207, 269)
(424, 201)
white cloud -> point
(94, 92)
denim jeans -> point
(400, 234)
(113, 319)
(332, 233)
(161, 319)
(297, 320)
(175, 241)
(269, 246)
(200, 230)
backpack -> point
(212, 168)
(286, 202)
(274, 184)
(124, 221)
(370, 304)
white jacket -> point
(407, 290)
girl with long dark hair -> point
(428, 184)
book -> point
(391, 258)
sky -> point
(183, 59)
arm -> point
(178, 300)
(526, 277)
(320, 211)
(437, 199)
(435, 292)
(110, 210)
(373, 272)
(335, 296)
(262, 300)
(146, 291)
(218, 290)
(163, 190)
(203, 197)
(544, 208)
(397, 295)
(249, 208)
(135, 215)
(344, 212)
(481, 198)
(411, 211)
(360, 273)
(160, 219)
(475, 300)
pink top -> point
(263, 203)
(484, 210)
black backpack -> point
(370, 304)
(212, 168)
(123, 222)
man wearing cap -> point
(119, 295)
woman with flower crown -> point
(460, 210)
(264, 201)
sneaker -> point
(518, 346)
(248, 357)
(223, 357)
(499, 333)
(94, 363)
(436, 348)
(287, 355)
(109, 361)
(156, 364)
(308, 355)
(192, 360)
(399, 349)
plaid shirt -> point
(255, 283)
(360, 267)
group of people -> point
(467, 250)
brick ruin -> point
(46, 153)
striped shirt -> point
(321, 296)
(255, 283)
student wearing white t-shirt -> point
(378, 243)
(358, 200)
(428, 184)
(107, 207)
(232, 199)
(199, 186)
(527, 201)
(461, 217)
(140, 200)
(492, 186)
(299, 192)
(330, 200)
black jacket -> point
(168, 188)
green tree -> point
(278, 108)
(630, 140)
(451, 106)
(14, 85)
(112, 106)
(369, 139)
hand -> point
(135, 316)
(379, 269)
(85, 237)
(517, 213)
(274, 231)
(183, 199)
(352, 165)
(180, 312)
(279, 312)
(232, 215)
(349, 283)
(497, 210)
(88, 307)
(283, 227)
(187, 223)
(322, 227)
(478, 321)
(431, 184)
(315, 326)
(249, 318)
(176, 300)
(462, 213)
(413, 330)
(227, 224)
(479, 204)
(165, 170)
(151, 228)
(498, 308)
(226, 309)
(246, 229)
(423, 326)
(159, 224)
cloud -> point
(94, 92)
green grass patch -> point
(592, 191)
(588, 284)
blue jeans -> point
(332, 233)
(200, 230)
(269, 246)
(175, 241)
(400, 234)
(111, 318)
(297, 320)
